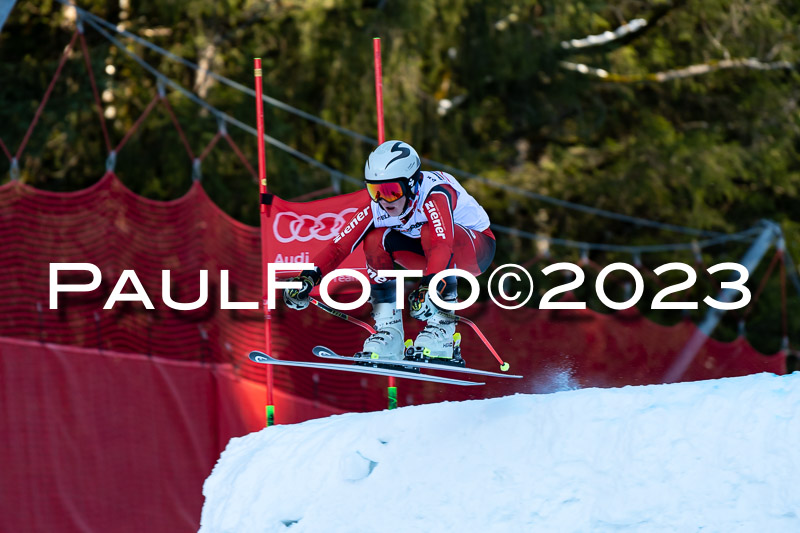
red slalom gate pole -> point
(262, 163)
(265, 210)
(376, 53)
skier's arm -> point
(439, 207)
(438, 246)
(349, 237)
(331, 256)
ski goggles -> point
(389, 191)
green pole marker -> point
(270, 415)
(392, 397)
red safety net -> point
(111, 227)
(117, 442)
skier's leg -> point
(436, 340)
(387, 341)
(473, 252)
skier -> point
(422, 221)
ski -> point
(264, 359)
(327, 353)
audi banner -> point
(295, 232)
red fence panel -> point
(117, 442)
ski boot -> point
(387, 341)
(437, 343)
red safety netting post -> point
(163, 97)
(136, 124)
(700, 264)
(222, 132)
(5, 150)
(265, 209)
(761, 285)
(784, 318)
(239, 153)
(197, 162)
(211, 145)
(376, 53)
(641, 267)
(46, 97)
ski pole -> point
(504, 366)
(343, 316)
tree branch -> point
(622, 35)
(686, 72)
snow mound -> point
(717, 455)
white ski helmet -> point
(391, 173)
(392, 160)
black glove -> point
(299, 299)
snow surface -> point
(719, 456)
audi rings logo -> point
(289, 226)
